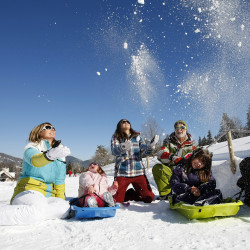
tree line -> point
(227, 123)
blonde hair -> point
(36, 131)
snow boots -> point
(244, 181)
(91, 202)
(108, 198)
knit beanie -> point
(182, 122)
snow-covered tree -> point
(225, 125)
(102, 156)
(238, 125)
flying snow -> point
(213, 87)
(141, 1)
(144, 75)
(125, 45)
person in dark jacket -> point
(192, 181)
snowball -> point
(98, 73)
(141, 1)
(125, 45)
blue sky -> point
(84, 65)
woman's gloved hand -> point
(154, 141)
(57, 151)
(125, 146)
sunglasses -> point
(181, 127)
(93, 163)
(48, 127)
(123, 122)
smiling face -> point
(48, 132)
(197, 163)
(180, 131)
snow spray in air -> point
(215, 87)
(144, 76)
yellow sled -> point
(207, 211)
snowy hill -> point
(4, 158)
(141, 226)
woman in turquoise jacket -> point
(40, 190)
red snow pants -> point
(141, 190)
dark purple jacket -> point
(182, 182)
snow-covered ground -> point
(141, 226)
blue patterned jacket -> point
(129, 163)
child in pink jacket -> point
(94, 190)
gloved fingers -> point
(154, 140)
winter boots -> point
(91, 202)
(108, 198)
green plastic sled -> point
(207, 211)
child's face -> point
(197, 164)
(93, 167)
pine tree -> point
(102, 156)
(209, 137)
(225, 125)
(204, 141)
(199, 141)
(248, 118)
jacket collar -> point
(42, 146)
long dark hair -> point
(119, 134)
(206, 158)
